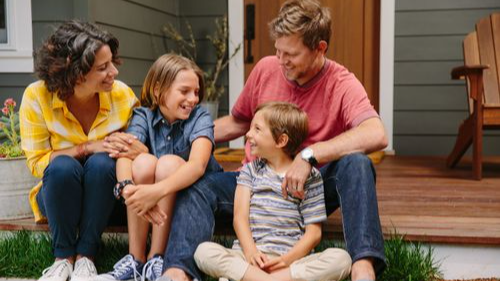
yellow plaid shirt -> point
(47, 125)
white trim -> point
(236, 66)
(386, 90)
(467, 261)
(17, 54)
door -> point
(354, 43)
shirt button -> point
(168, 138)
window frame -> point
(17, 54)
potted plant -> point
(219, 41)
(16, 179)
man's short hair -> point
(303, 17)
(286, 118)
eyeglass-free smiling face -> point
(181, 97)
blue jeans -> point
(77, 199)
(349, 183)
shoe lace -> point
(123, 265)
(56, 269)
(152, 269)
(85, 267)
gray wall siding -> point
(136, 23)
(44, 17)
(201, 14)
(428, 105)
(138, 26)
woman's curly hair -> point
(69, 54)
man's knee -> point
(356, 166)
(356, 161)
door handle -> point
(250, 32)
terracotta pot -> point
(16, 182)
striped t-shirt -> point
(277, 223)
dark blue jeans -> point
(349, 184)
(77, 199)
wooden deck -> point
(420, 198)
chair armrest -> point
(466, 70)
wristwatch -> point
(307, 154)
(117, 190)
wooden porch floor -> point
(421, 199)
(425, 201)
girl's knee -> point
(167, 165)
(143, 168)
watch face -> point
(307, 153)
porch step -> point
(418, 197)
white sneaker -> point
(84, 270)
(59, 271)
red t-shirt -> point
(334, 100)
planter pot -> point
(212, 107)
(16, 182)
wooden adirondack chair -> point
(482, 73)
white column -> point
(387, 19)
(236, 66)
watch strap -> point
(119, 188)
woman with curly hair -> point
(66, 118)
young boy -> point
(275, 231)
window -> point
(3, 27)
(16, 39)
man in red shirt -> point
(343, 127)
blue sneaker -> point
(126, 269)
(152, 269)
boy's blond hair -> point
(303, 17)
(286, 118)
(162, 73)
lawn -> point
(25, 254)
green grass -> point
(25, 254)
(409, 261)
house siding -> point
(428, 105)
(201, 15)
(138, 26)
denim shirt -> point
(162, 138)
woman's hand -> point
(120, 144)
(141, 198)
(92, 147)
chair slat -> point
(471, 57)
(487, 56)
(495, 25)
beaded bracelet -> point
(81, 150)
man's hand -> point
(295, 178)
